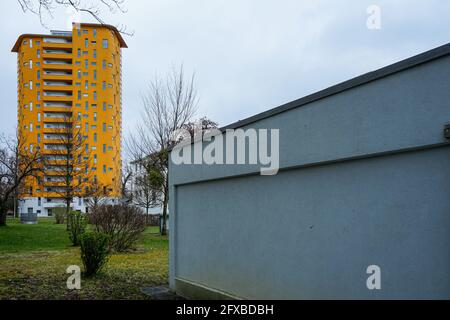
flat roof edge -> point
(18, 42)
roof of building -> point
(18, 43)
(402, 65)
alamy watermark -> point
(374, 280)
(74, 280)
(234, 146)
(373, 22)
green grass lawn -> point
(34, 259)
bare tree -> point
(125, 190)
(71, 162)
(18, 163)
(41, 8)
(96, 194)
(168, 106)
(146, 192)
(202, 125)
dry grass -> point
(36, 268)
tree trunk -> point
(67, 214)
(2, 215)
(164, 212)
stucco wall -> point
(364, 180)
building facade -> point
(363, 181)
(70, 102)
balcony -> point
(58, 115)
(50, 116)
(58, 62)
(57, 83)
(57, 72)
(57, 106)
(54, 40)
(58, 67)
(56, 127)
(57, 95)
(61, 183)
(53, 74)
(57, 54)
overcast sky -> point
(248, 55)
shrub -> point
(94, 251)
(76, 226)
(60, 215)
(122, 223)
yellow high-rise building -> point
(70, 79)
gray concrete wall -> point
(365, 179)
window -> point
(95, 95)
(31, 85)
(39, 117)
(31, 106)
(38, 96)
(86, 84)
(79, 95)
(95, 116)
(31, 43)
(86, 127)
(79, 116)
(79, 32)
(104, 168)
(104, 106)
(95, 53)
(104, 148)
(95, 137)
(38, 75)
(104, 127)
(104, 64)
(105, 43)
(86, 42)
(31, 127)
(79, 53)
(39, 201)
(38, 53)
(94, 32)
(31, 64)
(38, 137)
(87, 148)
(31, 147)
(79, 74)
(86, 106)
(95, 74)
(104, 85)
(86, 64)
